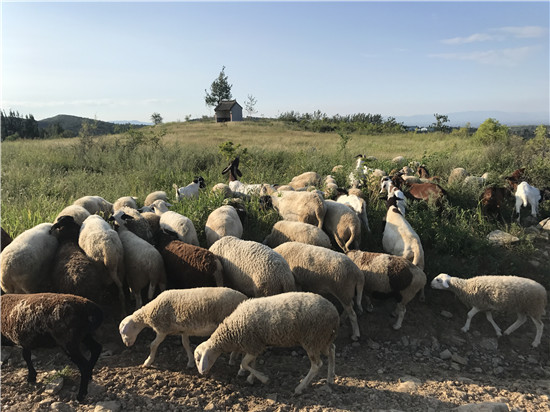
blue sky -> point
(124, 61)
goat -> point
(191, 190)
(420, 191)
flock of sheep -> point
(243, 295)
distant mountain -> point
(74, 123)
(134, 122)
(475, 118)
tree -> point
(220, 89)
(156, 118)
(439, 125)
(491, 131)
(540, 143)
(250, 105)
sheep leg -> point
(331, 362)
(245, 364)
(359, 296)
(151, 292)
(471, 314)
(519, 321)
(370, 306)
(187, 346)
(95, 350)
(154, 346)
(316, 364)
(139, 301)
(73, 350)
(31, 377)
(353, 319)
(400, 309)
(233, 357)
(489, 317)
(421, 295)
(539, 325)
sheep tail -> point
(353, 241)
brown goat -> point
(492, 199)
(420, 191)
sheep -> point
(191, 190)
(252, 268)
(474, 181)
(306, 207)
(342, 222)
(390, 275)
(304, 180)
(138, 225)
(399, 238)
(511, 294)
(6, 239)
(359, 205)
(176, 222)
(288, 231)
(44, 320)
(95, 204)
(154, 222)
(158, 195)
(73, 271)
(320, 270)
(286, 320)
(25, 263)
(127, 201)
(142, 262)
(188, 312)
(330, 186)
(102, 244)
(457, 175)
(77, 212)
(223, 221)
(223, 189)
(188, 266)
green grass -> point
(40, 178)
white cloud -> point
(506, 57)
(525, 32)
(474, 38)
(499, 34)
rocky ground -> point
(428, 365)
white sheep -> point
(342, 222)
(526, 194)
(102, 244)
(191, 190)
(25, 263)
(321, 270)
(389, 275)
(185, 312)
(125, 201)
(157, 195)
(223, 221)
(95, 204)
(288, 231)
(285, 320)
(307, 207)
(457, 175)
(509, 294)
(142, 262)
(78, 213)
(252, 268)
(399, 238)
(176, 223)
(359, 205)
(304, 180)
(223, 189)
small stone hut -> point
(228, 111)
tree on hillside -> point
(439, 125)
(491, 131)
(541, 143)
(220, 89)
(250, 105)
(156, 118)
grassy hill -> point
(74, 124)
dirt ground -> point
(428, 365)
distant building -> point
(228, 111)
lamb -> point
(77, 212)
(287, 231)
(176, 222)
(143, 263)
(158, 195)
(50, 319)
(391, 276)
(25, 263)
(188, 266)
(95, 204)
(252, 268)
(73, 272)
(306, 207)
(511, 294)
(191, 190)
(223, 221)
(102, 244)
(359, 205)
(125, 201)
(285, 320)
(342, 222)
(399, 238)
(305, 180)
(190, 312)
(320, 270)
